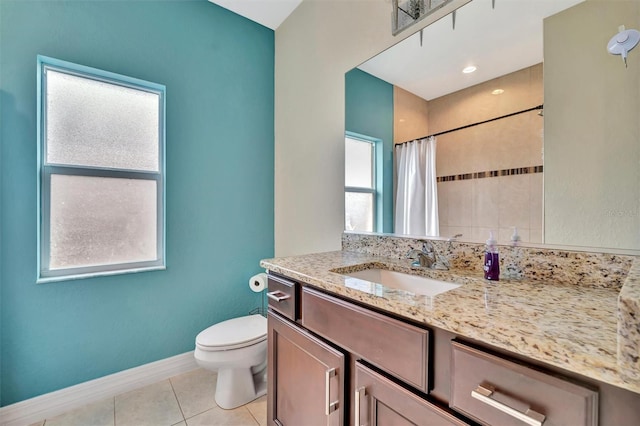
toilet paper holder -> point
(258, 283)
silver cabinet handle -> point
(330, 407)
(361, 391)
(278, 295)
(530, 417)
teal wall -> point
(369, 111)
(219, 71)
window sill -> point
(44, 280)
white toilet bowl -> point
(237, 349)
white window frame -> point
(374, 178)
(45, 170)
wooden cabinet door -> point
(381, 402)
(306, 378)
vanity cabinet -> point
(333, 361)
(379, 401)
(497, 391)
(306, 377)
(396, 347)
(316, 363)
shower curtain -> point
(416, 192)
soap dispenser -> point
(515, 238)
(491, 260)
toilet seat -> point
(233, 334)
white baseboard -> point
(58, 402)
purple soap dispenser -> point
(491, 260)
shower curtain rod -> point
(540, 107)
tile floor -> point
(184, 400)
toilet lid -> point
(234, 333)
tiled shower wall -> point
(490, 175)
(490, 178)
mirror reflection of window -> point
(360, 191)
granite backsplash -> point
(600, 270)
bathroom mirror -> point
(572, 173)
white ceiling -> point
(497, 41)
(270, 13)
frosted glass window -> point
(102, 221)
(358, 211)
(358, 163)
(101, 185)
(94, 123)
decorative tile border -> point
(492, 173)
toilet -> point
(237, 350)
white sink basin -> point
(400, 281)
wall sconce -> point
(623, 42)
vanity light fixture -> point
(407, 12)
(469, 69)
(498, 92)
(623, 42)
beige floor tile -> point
(153, 405)
(96, 414)
(258, 410)
(219, 417)
(158, 404)
(195, 391)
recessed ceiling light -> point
(497, 92)
(402, 120)
(469, 69)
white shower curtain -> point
(417, 191)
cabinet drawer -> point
(497, 391)
(396, 347)
(283, 296)
(380, 401)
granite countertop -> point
(571, 327)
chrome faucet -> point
(427, 257)
(424, 258)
